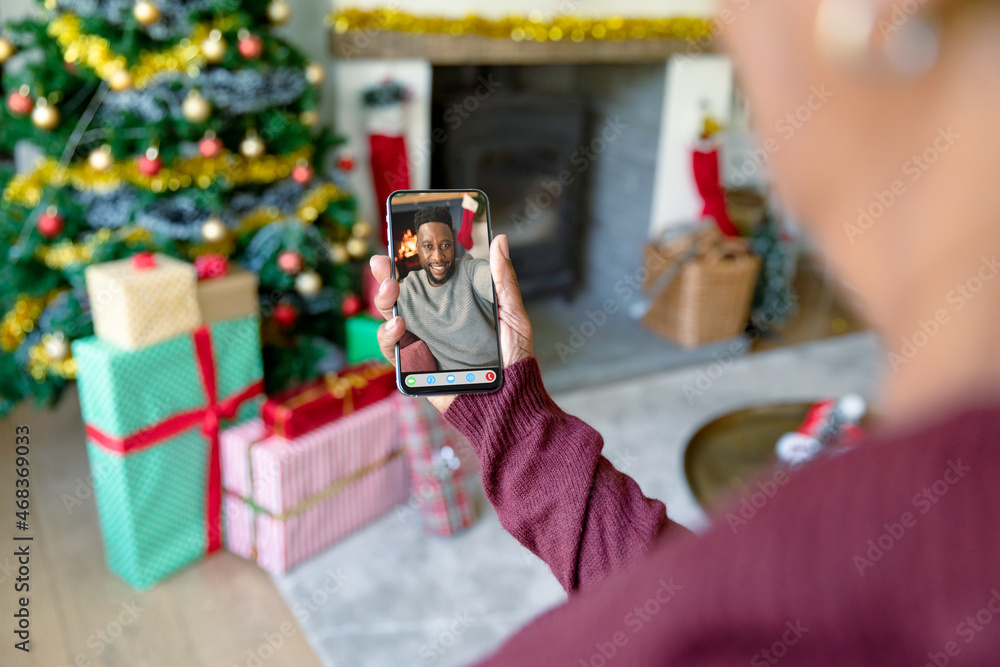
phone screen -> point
(439, 241)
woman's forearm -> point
(553, 491)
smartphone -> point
(439, 243)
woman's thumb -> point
(508, 293)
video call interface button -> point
(433, 379)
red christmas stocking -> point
(390, 171)
(706, 176)
(469, 208)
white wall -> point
(12, 9)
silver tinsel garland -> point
(180, 217)
(231, 92)
(174, 20)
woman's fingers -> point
(388, 335)
(388, 290)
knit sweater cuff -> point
(521, 401)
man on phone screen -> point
(448, 303)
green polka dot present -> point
(152, 418)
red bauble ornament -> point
(19, 103)
(303, 173)
(150, 164)
(211, 266)
(290, 262)
(286, 315)
(251, 46)
(211, 146)
(51, 224)
(346, 162)
(351, 305)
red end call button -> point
(490, 376)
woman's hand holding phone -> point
(515, 329)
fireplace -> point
(517, 145)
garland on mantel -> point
(533, 27)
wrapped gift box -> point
(228, 297)
(362, 343)
(444, 471)
(298, 411)
(286, 502)
(152, 422)
(142, 300)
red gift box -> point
(296, 412)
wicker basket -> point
(710, 297)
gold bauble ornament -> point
(100, 158)
(7, 49)
(338, 253)
(279, 11)
(310, 118)
(45, 116)
(214, 230)
(315, 74)
(146, 12)
(213, 47)
(357, 248)
(252, 147)
(308, 283)
(361, 230)
(120, 80)
(196, 108)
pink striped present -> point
(286, 501)
(444, 471)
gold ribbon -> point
(309, 502)
(338, 386)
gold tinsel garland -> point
(520, 28)
(202, 172)
(21, 319)
(96, 53)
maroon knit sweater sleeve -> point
(543, 471)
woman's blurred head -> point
(884, 117)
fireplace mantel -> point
(475, 50)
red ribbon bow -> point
(211, 266)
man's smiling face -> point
(436, 250)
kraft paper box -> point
(286, 502)
(152, 420)
(228, 297)
(142, 300)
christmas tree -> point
(179, 126)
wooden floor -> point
(222, 612)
